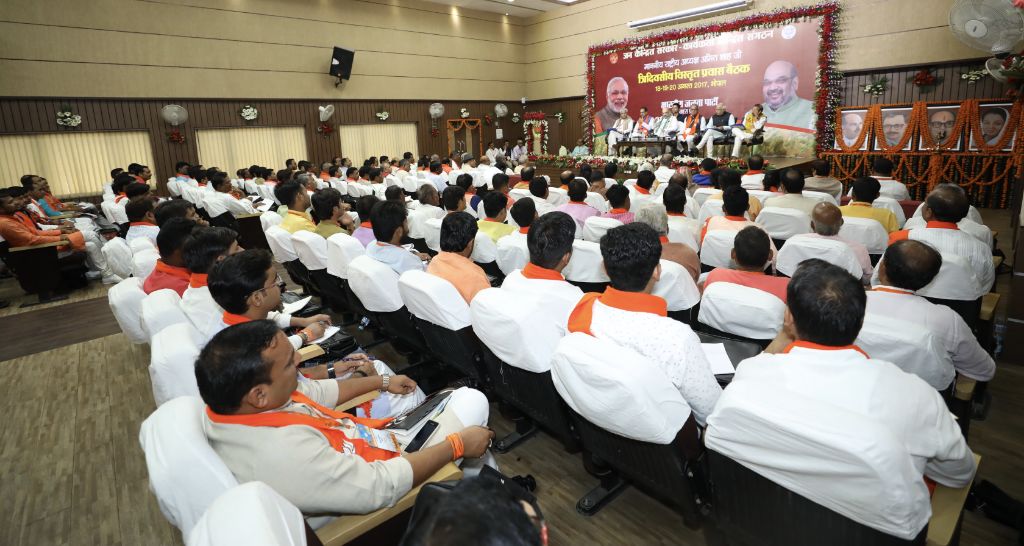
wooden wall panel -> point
(952, 88)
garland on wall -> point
(535, 127)
(827, 91)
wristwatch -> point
(330, 371)
(385, 382)
(304, 336)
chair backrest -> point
(782, 222)
(161, 309)
(342, 248)
(270, 218)
(108, 211)
(883, 202)
(798, 249)
(516, 328)
(595, 227)
(821, 196)
(597, 378)
(762, 195)
(434, 300)
(125, 300)
(909, 345)
(513, 253)
(252, 514)
(185, 474)
(676, 287)
(144, 262)
(558, 196)
(484, 250)
(868, 472)
(519, 194)
(586, 263)
(677, 233)
(595, 200)
(119, 257)
(280, 242)
(173, 352)
(375, 284)
(741, 310)
(716, 248)
(311, 248)
(711, 207)
(139, 244)
(865, 231)
(431, 230)
(700, 195)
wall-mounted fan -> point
(326, 112)
(174, 114)
(994, 26)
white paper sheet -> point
(328, 332)
(718, 358)
(294, 307)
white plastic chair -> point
(342, 248)
(161, 309)
(557, 196)
(513, 253)
(716, 248)
(503, 319)
(676, 287)
(798, 249)
(280, 243)
(586, 264)
(677, 233)
(595, 227)
(434, 300)
(252, 514)
(821, 196)
(269, 219)
(125, 299)
(893, 205)
(375, 284)
(144, 262)
(484, 249)
(701, 195)
(741, 310)
(173, 353)
(865, 231)
(311, 249)
(783, 223)
(119, 257)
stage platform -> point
(802, 163)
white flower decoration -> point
(383, 115)
(464, 112)
(248, 113)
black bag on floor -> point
(996, 505)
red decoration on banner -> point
(534, 115)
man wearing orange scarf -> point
(266, 425)
(170, 271)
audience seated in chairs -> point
(142, 221)
(332, 212)
(676, 202)
(494, 225)
(654, 215)
(908, 267)
(822, 180)
(643, 191)
(525, 177)
(428, 209)
(735, 204)
(944, 208)
(225, 199)
(458, 234)
(726, 178)
(751, 254)
(293, 196)
(814, 396)
(364, 208)
(465, 181)
(792, 197)
(524, 214)
(539, 191)
(618, 200)
(390, 225)
(205, 247)
(170, 269)
(865, 190)
(631, 254)
(268, 426)
(881, 170)
(826, 221)
(753, 179)
(577, 207)
(176, 208)
(971, 224)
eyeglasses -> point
(278, 282)
(893, 126)
(941, 124)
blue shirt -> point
(47, 208)
(702, 179)
(397, 258)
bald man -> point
(826, 221)
(782, 105)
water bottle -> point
(999, 332)
(364, 323)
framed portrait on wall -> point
(895, 122)
(851, 122)
(995, 121)
(941, 120)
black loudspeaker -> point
(341, 63)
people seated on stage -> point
(141, 221)
(826, 221)
(364, 207)
(726, 178)
(390, 225)
(525, 177)
(675, 201)
(665, 170)
(654, 215)
(577, 207)
(247, 286)
(865, 190)
(644, 188)
(618, 200)
(945, 206)
(435, 176)
(822, 180)
(205, 247)
(909, 266)
(751, 252)
(177, 208)
(524, 212)
(620, 130)
(881, 170)
(458, 231)
(642, 124)
(971, 224)
(494, 225)
(692, 124)
(170, 271)
(735, 203)
(815, 361)
(703, 177)
(753, 122)
(428, 209)
(792, 193)
(465, 181)
(753, 179)
(549, 241)
(294, 196)
(223, 200)
(332, 212)
(717, 126)
(666, 127)
(631, 255)
(580, 150)
(539, 194)
(519, 152)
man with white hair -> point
(717, 126)
(617, 95)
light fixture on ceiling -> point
(691, 13)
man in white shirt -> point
(717, 126)
(972, 224)
(944, 208)
(487, 172)
(641, 193)
(667, 126)
(437, 177)
(519, 151)
(492, 152)
(629, 315)
(881, 170)
(221, 200)
(539, 191)
(141, 221)
(811, 378)
(665, 170)
(826, 221)
(429, 208)
(792, 196)
(389, 226)
(549, 239)
(753, 179)
(204, 248)
(909, 266)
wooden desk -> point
(947, 505)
